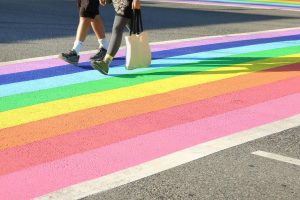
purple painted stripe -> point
(48, 63)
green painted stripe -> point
(36, 97)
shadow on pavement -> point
(207, 67)
(35, 19)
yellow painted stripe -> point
(50, 109)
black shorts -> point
(88, 8)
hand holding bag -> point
(138, 53)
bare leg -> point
(83, 28)
(82, 31)
(98, 27)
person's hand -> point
(136, 4)
(102, 2)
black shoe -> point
(101, 66)
(99, 55)
(71, 57)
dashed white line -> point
(277, 157)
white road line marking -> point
(152, 43)
(125, 176)
(277, 157)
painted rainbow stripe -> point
(293, 5)
(73, 124)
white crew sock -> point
(77, 46)
(103, 43)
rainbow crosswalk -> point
(293, 5)
(62, 125)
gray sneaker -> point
(71, 57)
(99, 55)
(101, 66)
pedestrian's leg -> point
(116, 37)
(72, 56)
(88, 10)
(82, 31)
(98, 27)
(114, 44)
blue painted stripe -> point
(58, 81)
(69, 69)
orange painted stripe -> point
(47, 128)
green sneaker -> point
(101, 66)
(71, 57)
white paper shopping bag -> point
(138, 53)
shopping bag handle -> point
(136, 24)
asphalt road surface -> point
(40, 28)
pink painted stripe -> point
(106, 134)
(74, 169)
(42, 64)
